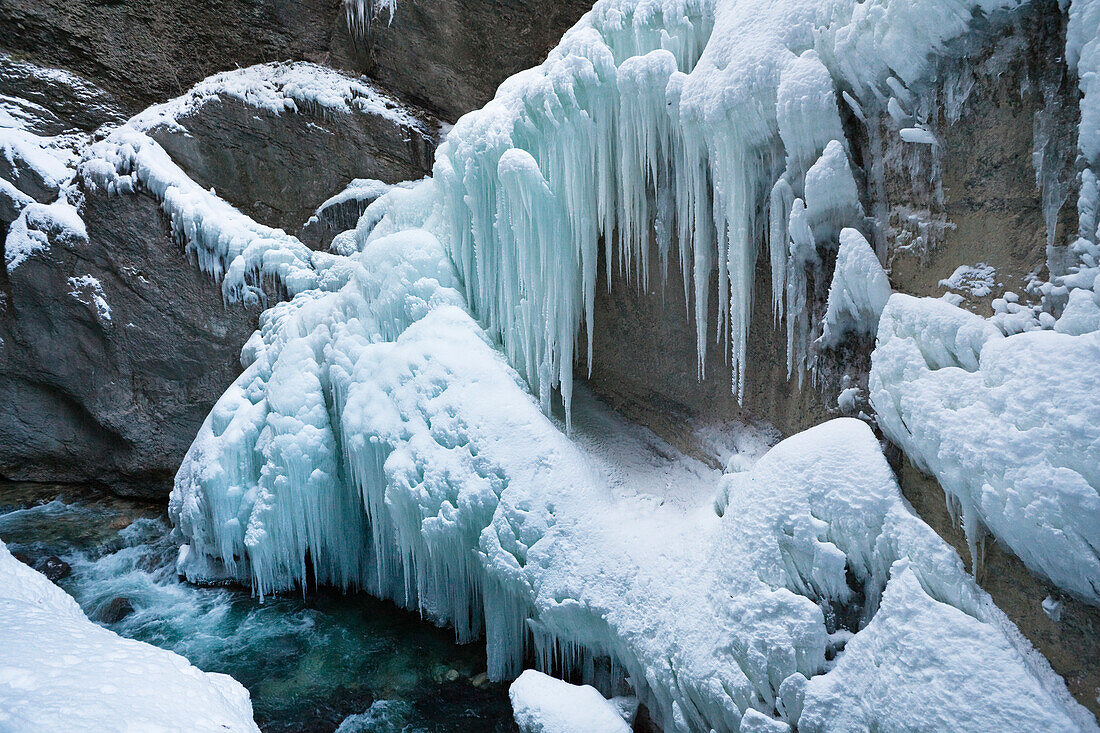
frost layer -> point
(60, 671)
(1009, 426)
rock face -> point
(450, 55)
(113, 391)
(146, 51)
(116, 401)
(278, 167)
(446, 55)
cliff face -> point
(446, 55)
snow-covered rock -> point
(542, 704)
(1009, 426)
(60, 671)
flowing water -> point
(324, 662)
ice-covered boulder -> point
(60, 671)
(542, 704)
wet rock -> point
(53, 568)
(116, 610)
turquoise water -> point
(318, 663)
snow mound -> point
(542, 704)
(1010, 427)
(297, 87)
(60, 671)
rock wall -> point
(114, 402)
(449, 56)
(446, 55)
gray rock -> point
(116, 610)
(278, 168)
(146, 51)
(114, 402)
(53, 568)
(450, 55)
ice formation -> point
(858, 293)
(462, 499)
(60, 671)
(392, 429)
(360, 14)
(542, 704)
(1009, 426)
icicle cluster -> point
(690, 126)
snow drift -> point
(60, 671)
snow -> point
(88, 289)
(59, 671)
(871, 682)
(31, 160)
(1009, 426)
(977, 280)
(297, 87)
(36, 186)
(30, 234)
(858, 293)
(226, 243)
(542, 704)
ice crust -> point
(60, 671)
